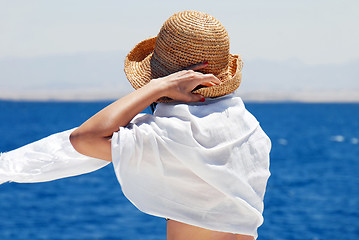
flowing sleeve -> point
(45, 160)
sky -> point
(308, 33)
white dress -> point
(204, 164)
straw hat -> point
(185, 39)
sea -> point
(312, 194)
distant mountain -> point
(64, 77)
(293, 75)
(293, 80)
(100, 75)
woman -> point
(201, 160)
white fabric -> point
(204, 164)
(48, 159)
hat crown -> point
(189, 38)
(185, 39)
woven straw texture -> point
(185, 39)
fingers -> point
(208, 80)
(198, 78)
(181, 84)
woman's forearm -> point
(92, 138)
(121, 112)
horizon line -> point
(249, 96)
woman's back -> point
(181, 231)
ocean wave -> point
(337, 138)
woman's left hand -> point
(179, 85)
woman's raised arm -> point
(93, 137)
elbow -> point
(75, 140)
(91, 144)
(80, 141)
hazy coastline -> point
(96, 76)
(109, 95)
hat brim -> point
(139, 73)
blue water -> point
(312, 194)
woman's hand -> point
(179, 85)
